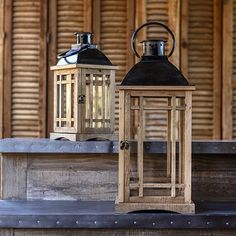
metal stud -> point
(116, 222)
(20, 221)
(208, 222)
(95, 222)
(58, 222)
(153, 223)
(189, 222)
(227, 223)
(77, 222)
(135, 222)
(171, 222)
(38, 221)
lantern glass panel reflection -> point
(98, 101)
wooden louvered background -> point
(70, 19)
(113, 39)
(25, 68)
(115, 21)
(200, 61)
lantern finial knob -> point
(84, 37)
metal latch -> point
(124, 145)
(81, 99)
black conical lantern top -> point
(154, 68)
(83, 52)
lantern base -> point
(174, 207)
(83, 137)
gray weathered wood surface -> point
(94, 176)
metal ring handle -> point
(146, 24)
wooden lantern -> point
(84, 81)
(155, 181)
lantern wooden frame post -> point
(133, 196)
(93, 95)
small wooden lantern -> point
(84, 81)
(147, 181)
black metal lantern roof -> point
(154, 70)
(84, 52)
(154, 67)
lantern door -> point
(98, 106)
(155, 150)
(66, 86)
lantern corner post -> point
(187, 152)
(121, 164)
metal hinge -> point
(124, 145)
(81, 99)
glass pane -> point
(156, 122)
(63, 100)
(97, 113)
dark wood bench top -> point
(101, 214)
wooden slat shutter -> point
(229, 69)
(70, 19)
(1, 64)
(114, 39)
(204, 69)
(25, 58)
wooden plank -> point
(14, 181)
(187, 149)
(158, 88)
(91, 96)
(168, 154)
(55, 104)
(68, 101)
(227, 70)
(112, 100)
(140, 18)
(173, 146)
(52, 52)
(51, 175)
(217, 42)
(127, 152)
(121, 177)
(184, 38)
(43, 69)
(104, 101)
(87, 15)
(84, 185)
(96, 23)
(174, 25)
(7, 232)
(157, 199)
(181, 141)
(2, 34)
(96, 101)
(7, 71)
(141, 136)
(154, 185)
(130, 29)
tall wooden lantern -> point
(154, 86)
(84, 81)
